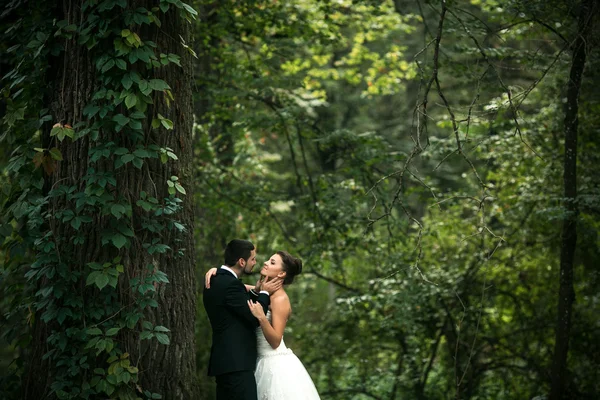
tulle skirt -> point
(281, 376)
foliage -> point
(409, 152)
(437, 269)
(89, 309)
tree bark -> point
(566, 294)
(166, 369)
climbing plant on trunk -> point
(102, 160)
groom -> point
(233, 352)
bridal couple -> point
(248, 356)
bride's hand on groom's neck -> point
(269, 285)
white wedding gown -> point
(279, 373)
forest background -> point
(433, 163)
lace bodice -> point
(264, 348)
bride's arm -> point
(280, 311)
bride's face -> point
(273, 267)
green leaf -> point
(120, 119)
(76, 223)
(93, 332)
(119, 241)
(92, 278)
(112, 331)
(158, 84)
(101, 281)
(56, 154)
(134, 124)
(126, 81)
(127, 158)
(146, 335)
(138, 163)
(190, 10)
(130, 100)
(180, 188)
(90, 110)
(141, 153)
(125, 230)
(137, 115)
(117, 210)
(167, 123)
(155, 123)
(121, 64)
(108, 65)
(162, 338)
(160, 328)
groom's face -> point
(249, 266)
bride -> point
(279, 373)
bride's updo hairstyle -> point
(291, 265)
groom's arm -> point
(236, 299)
(255, 298)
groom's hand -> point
(272, 285)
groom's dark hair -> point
(237, 249)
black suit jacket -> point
(233, 325)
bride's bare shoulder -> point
(281, 300)
(282, 304)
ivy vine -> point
(83, 305)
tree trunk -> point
(566, 294)
(73, 78)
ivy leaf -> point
(174, 58)
(158, 84)
(90, 110)
(162, 338)
(167, 123)
(121, 64)
(119, 241)
(180, 188)
(92, 278)
(137, 115)
(144, 204)
(126, 81)
(93, 332)
(190, 10)
(137, 125)
(108, 65)
(161, 328)
(120, 119)
(130, 100)
(146, 335)
(112, 331)
(101, 281)
(138, 163)
(127, 158)
(117, 210)
(141, 153)
(76, 223)
(56, 154)
(125, 230)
